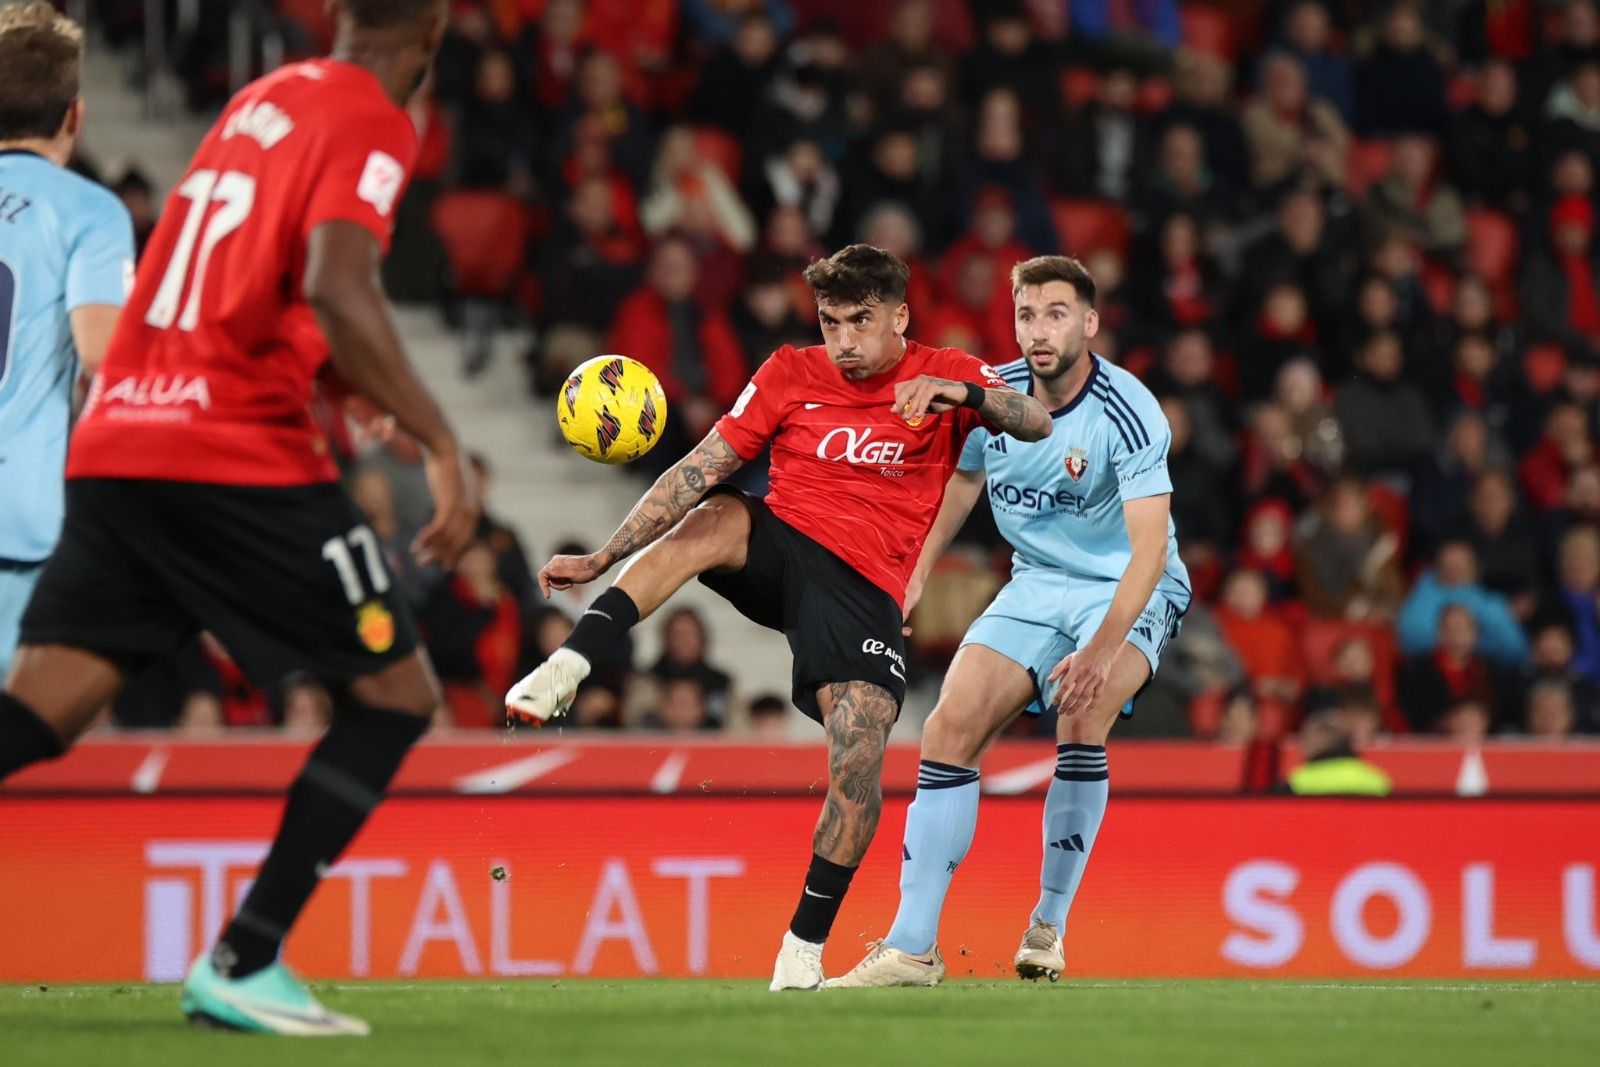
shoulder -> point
(1129, 404)
(87, 205)
(947, 362)
(1016, 374)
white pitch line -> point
(667, 776)
(508, 776)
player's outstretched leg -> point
(982, 691)
(713, 535)
(857, 717)
(51, 696)
(241, 984)
(1073, 809)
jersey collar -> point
(20, 152)
(1088, 383)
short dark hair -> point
(768, 704)
(381, 14)
(41, 55)
(1043, 269)
(859, 274)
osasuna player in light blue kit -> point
(1096, 592)
(66, 259)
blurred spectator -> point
(1466, 722)
(810, 93)
(1183, 182)
(1346, 560)
(1009, 57)
(1294, 138)
(1561, 278)
(732, 90)
(1399, 85)
(1188, 372)
(800, 176)
(888, 170)
(769, 719)
(893, 228)
(1451, 581)
(1332, 765)
(1300, 393)
(1182, 289)
(693, 351)
(374, 494)
(1274, 462)
(687, 192)
(549, 50)
(1262, 640)
(133, 188)
(1103, 147)
(1572, 114)
(764, 318)
(999, 161)
(962, 318)
(1308, 36)
(681, 708)
(1565, 448)
(1504, 545)
(1282, 330)
(1435, 680)
(1578, 594)
(719, 22)
(909, 42)
(1550, 714)
(1202, 98)
(1266, 546)
(472, 626)
(684, 648)
(1141, 29)
(1416, 202)
(1553, 651)
(1384, 419)
(1445, 481)
(510, 561)
(1301, 249)
(1491, 142)
(1199, 662)
(494, 137)
(1198, 508)
(597, 123)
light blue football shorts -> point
(1039, 617)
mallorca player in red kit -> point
(201, 496)
(865, 430)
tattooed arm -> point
(658, 511)
(1004, 409)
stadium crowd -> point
(1352, 247)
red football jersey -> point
(846, 470)
(211, 369)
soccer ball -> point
(612, 409)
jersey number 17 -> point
(234, 194)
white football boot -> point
(799, 965)
(885, 965)
(1041, 954)
(549, 690)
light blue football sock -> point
(1073, 809)
(939, 829)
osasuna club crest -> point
(1077, 461)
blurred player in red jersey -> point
(865, 430)
(201, 496)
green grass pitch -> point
(709, 1023)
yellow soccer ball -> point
(612, 409)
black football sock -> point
(24, 737)
(342, 782)
(604, 626)
(826, 884)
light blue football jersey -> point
(65, 242)
(1059, 501)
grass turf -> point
(708, 1023)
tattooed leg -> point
(857, 717)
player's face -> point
(864, 339)
(1053, 328)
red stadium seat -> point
(1544, 367)
(1205, 29)
(1078, 86)
(720, 148)
(1368, 162)
(485, 235)
(1086, 226)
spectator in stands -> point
(810, 93)
(1200, 510)
(472, 626)
(138, 195)
(1565, 448)
(689, 192)
(1274, 464)
(599, 117)
(764, 318)
(681, 709)
(1198, 663)
(494, 136)
(1304, 250)
(962, 318)
(1502, 541)
(1332, 765)
(1300, 393)
(1572, 115)
(1266, 546)
(1262, 640)
(799, 176)
(1181, 287)
(1561, 279)
(1553, 652)
(1281, 331)
(1437, 680)
(586, 268)
(1400, 85)
(893, 228)
(1385, 420)
(1491, 154)
(882, 67)
(991, 238)
(1451, 581)
(374, 494)
(1183, 183)
(1578, 595)
(549, 50)
(1000, 160)
(889, 171)
(1414, 201)
(684, 648)
(769, 718)
(924, 106)
(693, 351)
(1347, 561)
(1102, 149)
(1308, 36)
(1294, 137)
(1445, 481)
(1550, 714)
(716, 22)
(1188, 372)
(510, 561)
(733, 86)
(1202, 98)
(1008, 56)
(1479, 384)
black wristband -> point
(975, 395)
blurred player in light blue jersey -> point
(66, 259)
(1096, 592)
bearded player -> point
(201, 496)
(1096, 592)
(865, 430)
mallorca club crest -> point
(375, 626)
(1077, 461)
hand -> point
(913, 594)
(917, 396)
(564, 572)
(371, 424)
(455, 509)
(1080, 678)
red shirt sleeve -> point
(964, 367)
(362, 173)
(761, 408)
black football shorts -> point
(289, 579)
(841, 627)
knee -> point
(714, 531)
(409, 687)
(1086, 728)
(947, 738)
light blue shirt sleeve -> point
(972, 452)
(1142, 468)
(100, 262)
